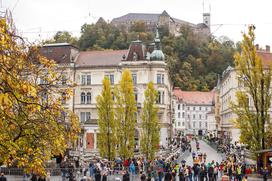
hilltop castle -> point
(163, 19)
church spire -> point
(157, 54)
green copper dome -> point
(157, 55)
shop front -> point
(264, 159)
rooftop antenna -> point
(207, 8)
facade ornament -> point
(135, 56)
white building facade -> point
(191, 110)
(87, 69)
(228, 88)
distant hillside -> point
(194, 62)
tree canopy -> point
(34, 126)
(63, 37)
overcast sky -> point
(40, 19)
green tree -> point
(150, 133)
(63, 37)
(106, 123)
(33, 124)
(256, 78)
(99, 35)
(138, 26)
(125, 115)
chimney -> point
(267, 48)
(257, 46)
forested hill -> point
(194, 63)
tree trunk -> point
(262, 113)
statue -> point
(135, 56)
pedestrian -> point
(104, 177)
(239, 172)
(230, 171)
(204, 157)
(265, 174)
(34, 177)
(215, 172)
(126, 176)
(193, 155)
(160, 175)
(181, 174)
(173, 174)
(41, 178)
(132, 168)
(197, 145)
(196, 170)
(190, 175)
(205, 171)
(244, 178)
(97, 174)
(225, 177)
(143, 177)
(210, 172)
(48, 175)
(84, 178)
(91, 167)
(3, 178)
(168, 176)
(202, 174)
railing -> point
(52, 171)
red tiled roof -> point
(266, 57)
(194, 97)
(100, 58)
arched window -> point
(83, 98)
(89, 98)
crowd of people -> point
(169, 169)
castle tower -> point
(207, 13)
(207, 19)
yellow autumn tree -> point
(106, 124)
(33, 123)
(253, 121)
(150, 135)
(125, 115)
